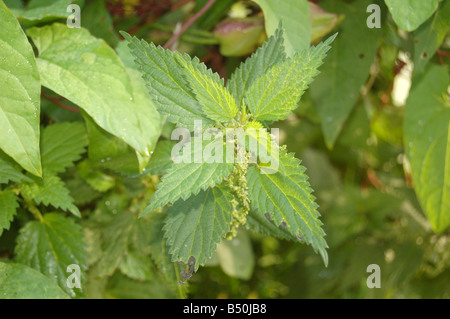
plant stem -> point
(56, 101)
(33, 209)
(189, 23)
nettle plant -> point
(211, 199)
(73, 184)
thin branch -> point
(188, 24)
(56, 101)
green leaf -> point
(95, 178)
(236, 257)
(9, 170)
(194, 227)
(296, 21)
(276, 93)
(262, 225)
(427, 143)
(265, 57)
(13, 4)
(93, 77)
(81, 191)
(185, 179)
(97, 19)
(108, 151)
(116, 238)
(410, 14)
(21, 282)
(44, 9)
(62, 144)
(170, 271)
(336, 90)
(287, 197)
(137, 266)
(8, 208)
(429, 37)
(217, 103)
(19, 95)
(50, 191)
(161, 159)
(166, 82)
(50, 246)
(122, 287)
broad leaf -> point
(171, 271)
(275, 94)
(61, 145)
(217, 103)
(427, 143)
(194, 227)
(287, 197)
(265, 57)
(236, 257)
(8, 208)
(86, 71)
(19, 95)
(185, 179)
(429, 37)
(410, 14)
(296, 21)
(21, 282)
(337, 88)
(50, 191)
(166, 82)
(50, 246)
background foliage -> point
(83, 147)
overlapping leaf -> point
(264, 58)
(50, 191)
(50, 245)
(62, 144)
(185, 179)
(275, 94)
(167, 83)
(287, 197)
(194, 227)
(217, 103)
